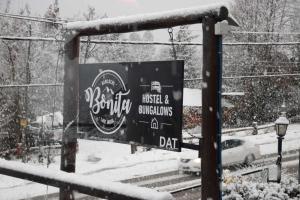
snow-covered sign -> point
(133, 102)
(118, 92)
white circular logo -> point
(108, 101)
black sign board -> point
(137, 102)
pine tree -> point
(148, 50)
(188, 53)
(263, 96)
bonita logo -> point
(108, 101)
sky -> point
(113, 8)
(74, 9)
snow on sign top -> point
(151, 21)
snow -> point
(249, 188)
(243, 131)
(126, 20)
(178, 186)
(47, 119)
(112, 162)
(268, 142)
(193, 97)
(282, 120)
(115, 187)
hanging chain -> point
(170, 31)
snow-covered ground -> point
(97, 159)
(113, 162)
(268, 142)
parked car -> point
(235, 150)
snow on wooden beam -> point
(151, 21)
(81, 183)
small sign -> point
(23, 122)
(133, 102)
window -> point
(232, 143)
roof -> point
(193, 97)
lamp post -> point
(281, 125)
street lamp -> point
(281, 125)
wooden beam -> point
(148, 21)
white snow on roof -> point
(193, 97)
(124, 20)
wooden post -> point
(70, 112)
(28, 74)
(299, 166)
(133, 148)
(211, 168)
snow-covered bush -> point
(242, 189)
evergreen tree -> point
(148, 50)
(263, 96)
(188, 53)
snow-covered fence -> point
(250, 129)
(196, 132)
(261, 173)
(254, 171)
(80, 183)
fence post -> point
(211, 165)
(70, 113)
(299, 168)
(133, 148)
(255, 128)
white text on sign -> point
(169, 143)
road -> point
(188, 186)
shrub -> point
(242, 189)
